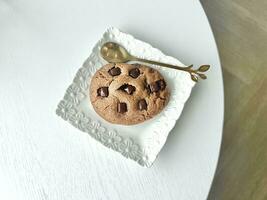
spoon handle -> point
(194, 73)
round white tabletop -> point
(42, 44)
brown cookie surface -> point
(128, 93)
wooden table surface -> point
(240, 29)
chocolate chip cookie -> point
(128, 93)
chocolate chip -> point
(154, 87)
(161, 84)
(114, 71)
(134, 73)
(127, 88)
(103, 91)
(122, 107)
(142, 105)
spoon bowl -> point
(115, 53)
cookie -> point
(128, 93)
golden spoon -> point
(115, 53)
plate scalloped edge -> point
(70, 109)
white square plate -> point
(141, 142)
